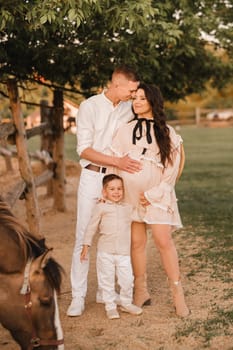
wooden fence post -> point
(47, 142)
(24, 161)
(198, 115)
(58, 155)
(46, 134)
(8, 162)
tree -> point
(76, 43)
(79, 42)
(37, 40)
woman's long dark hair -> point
(161, 131)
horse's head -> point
(38, 324)
(29, 282)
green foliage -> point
(70, 42)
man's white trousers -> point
(89, 190)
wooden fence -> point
(51, 154)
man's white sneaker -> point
(76, 307)
(112, 314)
(131, 309)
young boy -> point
(111, 218)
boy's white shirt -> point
(112, 221)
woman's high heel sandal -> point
(178, 298)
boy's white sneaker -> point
(112, 314)
(76, 307)
(131, 309)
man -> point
(98, 119)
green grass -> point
(70, 146)
(205, 190)
(217, 324)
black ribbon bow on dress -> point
(137, 131)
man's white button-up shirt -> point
(97, 121)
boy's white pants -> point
(89, 190)
(110, 266)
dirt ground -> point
(157, 328)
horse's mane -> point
(31, 246)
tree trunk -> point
(58, 155)
(24, 162)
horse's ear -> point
(43, 259)
(46, 257)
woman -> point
(151, 191)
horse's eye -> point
(45, 301)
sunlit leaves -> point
(69, 41)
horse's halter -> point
(35, 341)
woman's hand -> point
(143, 201)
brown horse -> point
(29, 282)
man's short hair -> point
(128, 71)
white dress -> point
(154, 180)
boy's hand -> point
(83, 255)
(101, 200)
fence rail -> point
(51, 154)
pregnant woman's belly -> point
(141, 181)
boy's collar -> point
(109, 201)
